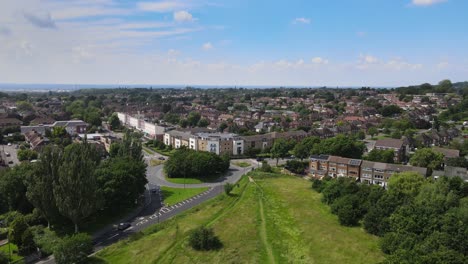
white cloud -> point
(319, 60)
(161, 6)
(173, 53)
(368, 59)
(207, 46)
(301, 20)
(443, 65)
(183, 16)
(426, 2)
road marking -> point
(112, 237)
(128, 229)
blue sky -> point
(311, 43)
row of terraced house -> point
(368, 172)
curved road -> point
(154, 212)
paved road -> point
(156, 177)
(154, 212)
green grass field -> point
(174, 195)
(277, 219)
(192, 180)
(242, 164)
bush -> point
(45, 239)
(204, 239)
(228, 187)
(189, 163)
(348, 209)
(296, 166)
(17, 228)
(266, 167)
(74, 249)
(317, 185)
(27, 241)
(3, 258)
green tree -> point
(378, 155)
(74, 249)
(427, 158)
(204, 239)
(114, 121)
(42, 181)
(193, 118)
(121, 181)
(203, 122)
(228, 187)
(279, 149)
(76, 190)
(301, 151)
(26, 154)
(17, 228)
(340, 145)
(390, 110)
(13, 188)
(349, 209)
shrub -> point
(228, 187)
(204, 239)
(74, 249)
(266, 167)
(296, 166)
(3, 258)
(17, 228)
(27, 243)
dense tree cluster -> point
(186, 163)
(73, 183)
(419, 220)
(341, 145)
(379, 155)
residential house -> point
(397, 145)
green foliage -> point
(4, 258)
(204, 239)
(457, 162)
(390, 110)
(228, 187)
(296, 166)
(193, 118)
(372, 131)
(378, 155)
(349, 209)
(13, 188)
(203, 122)
(27, 154)
(27, 242)
(41, 182)
(421, 221)
(280, 149)
(265, 167)
(114, 121)
(76, 190)
(194, 164)
(46, 239)
(17, 229)
(340, 145)
(121, 181)
(428, 158)
(74, 249)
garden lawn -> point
(172, 196)
(242, 164)
(276, 219)
(192, 180)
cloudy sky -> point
(237, 42)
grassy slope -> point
(174, 195)
(294, 226)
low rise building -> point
(150, 130)
(73, 127)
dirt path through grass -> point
(263, 233)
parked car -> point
(7, 154)
(123, 226)
(9, 144)
(161, 158)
